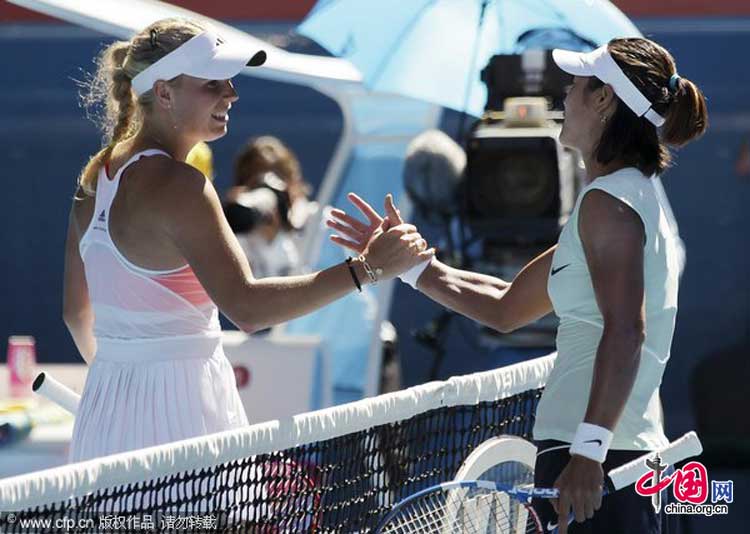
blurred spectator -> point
(264, 154)
(201, 157)
(268, 206)
(259, 218)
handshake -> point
(393, 247)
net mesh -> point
(342, 475)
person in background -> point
(259, 217)
(268, 206)
(267, 153)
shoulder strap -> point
(135, 157)
(106, 189)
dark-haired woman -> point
(612, 279)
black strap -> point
(353, 273)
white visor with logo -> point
(204, 56)
(600, 63)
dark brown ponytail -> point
(687, 117)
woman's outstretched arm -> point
(488, 300)
(194, 221)
(504, 306)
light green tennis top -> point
(563, 404)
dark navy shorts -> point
(622, 512)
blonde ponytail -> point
(108, 96)
(112, 86)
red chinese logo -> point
(689, 484)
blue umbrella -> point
(434, 49)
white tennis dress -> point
(160, 373)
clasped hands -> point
(387, 242)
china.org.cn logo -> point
(690, 487)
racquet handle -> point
(685, 447)
(60, 394)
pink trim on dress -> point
(185, 284)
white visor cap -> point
(204, 56)
(600, 63)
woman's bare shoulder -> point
(172, 177)
(177, 192)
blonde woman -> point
(150, 256)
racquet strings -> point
(464, 511)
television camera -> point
(515, 183)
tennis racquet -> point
(486, 506)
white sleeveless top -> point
(159, 373)
(564, 401)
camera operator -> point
(259, 217)
(267, 153)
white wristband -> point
(412, 275)
(591, 441)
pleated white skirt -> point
(144, 393)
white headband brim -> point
(204, 56)
(600, 63)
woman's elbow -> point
(504, 328)
(249, 321)
(249, 327)
(505, 324)
(68, 313)
(242, 308)
(75, 318)
(629, 333)
(637, 332)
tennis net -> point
(333, 470)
